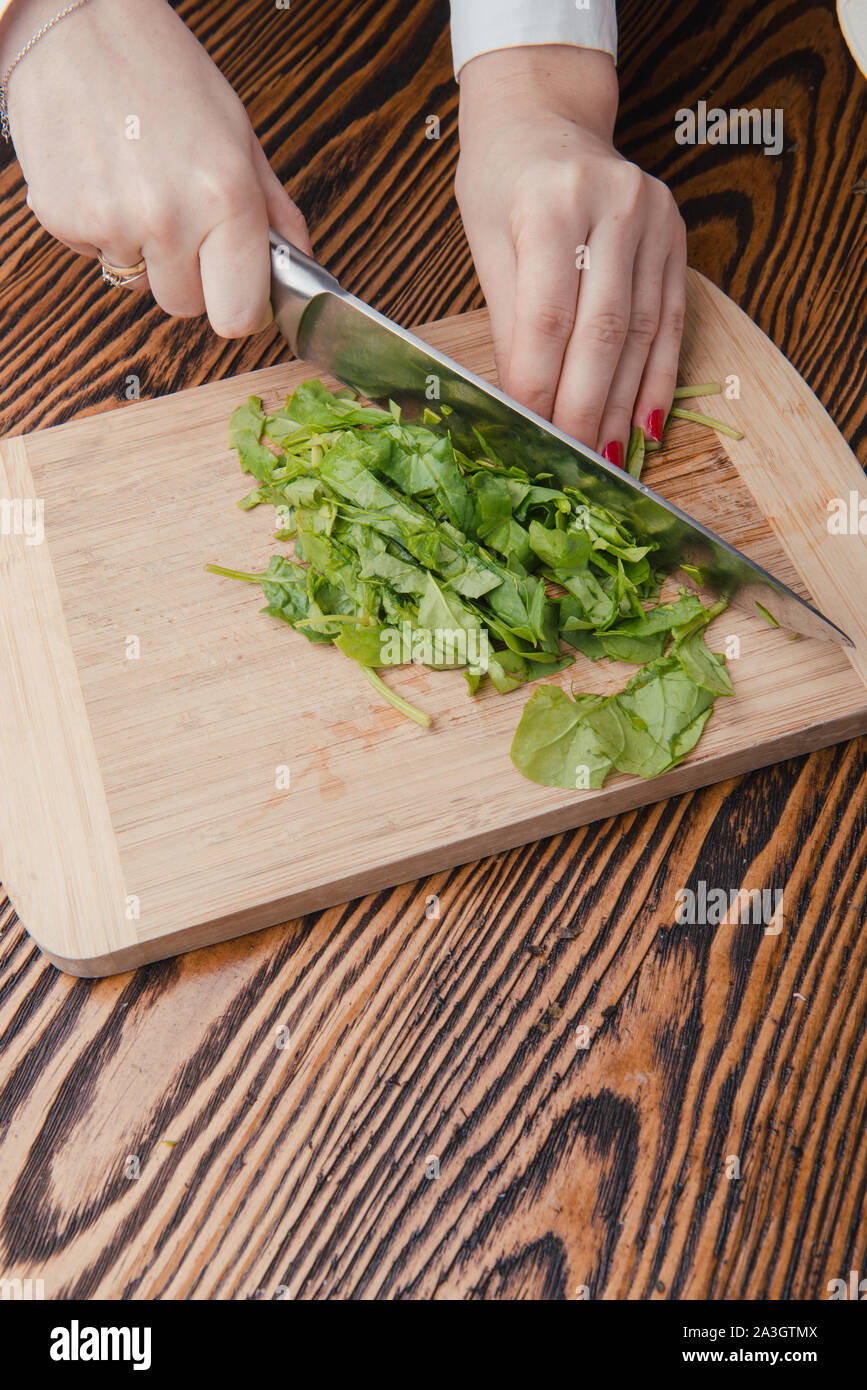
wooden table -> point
(387, 1100)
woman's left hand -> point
(588, 338)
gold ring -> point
(120, 275)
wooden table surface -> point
(387, 1100)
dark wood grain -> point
(302, 1171)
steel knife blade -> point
(341, 335)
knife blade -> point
(341, 335)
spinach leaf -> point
(646, 728)
(564, 552)
(642, 639)
(363, 643)
(245, 431)
(555, 745)
(312, 404)
(441, 610)
(704, 667)
(650, 725)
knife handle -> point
(295, 281)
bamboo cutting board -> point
(151, 718)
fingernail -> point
(613, 452)
(654, 425)
(269, 317)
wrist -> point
(579, 84)
(21, 21)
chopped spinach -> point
(407, 548)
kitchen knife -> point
(344, 337)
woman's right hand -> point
(133, 144)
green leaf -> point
(768, 617)
(564, 552)
(650, 725)
(586, 642)
(245, 431)
(423, 464)
(312, 404)
(664, 617)
(555, 746)
(639, 650)
(507, 670)
(402, 575)
(363, 643)
(284, 431)
(442, 611)
(694, 572)
(644, 638)
(594, 604)
(704, 667)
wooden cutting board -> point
(150, 715)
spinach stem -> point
(706, 420)
(251, 578)
(403, 706)
(716, 608)
(233, 574)
(707, 388)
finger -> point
(643, 324)
(175, 281)
(494, 258)
(81, 248)
(659, 379)
(600, 330)
(235, 261)
(283, 215)
(121, 255)
(546, 293)
(93, 253)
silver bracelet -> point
(4, 85)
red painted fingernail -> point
(613, 452)
(655, 422)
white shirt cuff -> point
(480, 26)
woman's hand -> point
(133, 143)
(595, 348)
